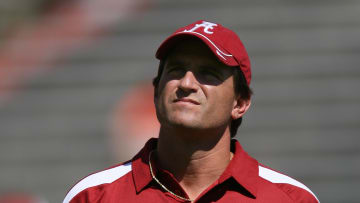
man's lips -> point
(187, 100)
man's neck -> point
(195, 159)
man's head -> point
(203, 78)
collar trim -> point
(242, 168)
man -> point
(201, 94)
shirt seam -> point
(279, 188)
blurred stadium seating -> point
(70, 69)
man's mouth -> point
(187, 100)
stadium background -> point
(76, 96)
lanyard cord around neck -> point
(163, 186)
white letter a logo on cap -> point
(206, 25)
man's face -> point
(195, 90)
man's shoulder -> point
(96, 181)
(294, 189)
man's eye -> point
(175, 70)
(211, 74)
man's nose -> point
(189, 83)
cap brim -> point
(218, 51)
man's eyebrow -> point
(175, 61)
(213, 68)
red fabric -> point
(221, 40)
(240, 182)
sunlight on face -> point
(195, 90)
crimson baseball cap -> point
(223, 42)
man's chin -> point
(186, 123)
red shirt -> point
(244, 180)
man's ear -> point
(240, 107)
